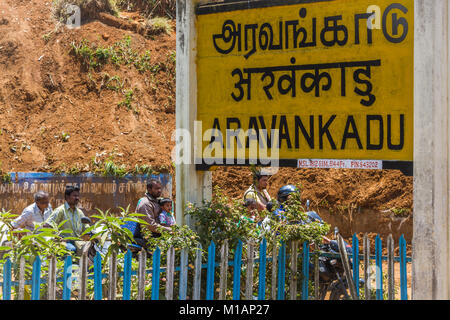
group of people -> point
(257, 198)
(156, 211)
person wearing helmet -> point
(282, 196)
(257, 190)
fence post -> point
(223, 270)
(274, 270)
(379, 270)
(210, 271)
(403, 275)
(305, 271)
(7, 280)
(141, 274)
(390, 256)
(67, 278)
(367, 285)
(262, 270)
(237, 271)
(36, 279)
(112, 275)
(281, 271)
(155, 275)
(316, 274)
(98, 277)
(22, 278)
(183, 273)
(293, 270)
(52, 278)
(355, 258)
(249, 275)
(127, 276)
(345, 263)
(170, 272)
(197, 273)
(83, 274)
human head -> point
(166, 204)
(154, 188)
(42, 200)
(260, 178)
(72, 195)
(250, 204)
(285, 191)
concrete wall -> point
(191, 185)
(430, 270)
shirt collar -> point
(67, 207)
(150, 197)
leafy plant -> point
(158, 25)
(65, 136)
(110, 227)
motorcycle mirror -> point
(86, 220)
(336, 231)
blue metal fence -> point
(263, 261)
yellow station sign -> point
(333, 78)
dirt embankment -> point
(46, 95)
(56, 115)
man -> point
(35, 213)
(258, 190)
(69, 211)
(149, 206)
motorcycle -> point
(332, 278)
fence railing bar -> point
(112, 276)
(156, 273)
(361, 256)
(141, 274)
(355, 258)
(391, 279)
(170, 272)
(366, 244)
(210, 271)
(52, 278)
(22, 278)
(274, 270)
(197, 273)
(249, 274)
(379, 269)
(293, 248)
(305, 271)
(281, 271)
(183, 273)
(67, 278)
(262, 270)
(237, 271)
(223, 270)
(126, 295)
(98, 295)
(7, 280)
(316, 277)
(36, 279)
(347, 270)
(403, 274)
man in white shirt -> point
(37, 212)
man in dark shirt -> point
(148, 205)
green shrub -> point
(88, 8)
(158, 25)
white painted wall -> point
(430, 269)
(191, 185)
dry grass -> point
(158, 25)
